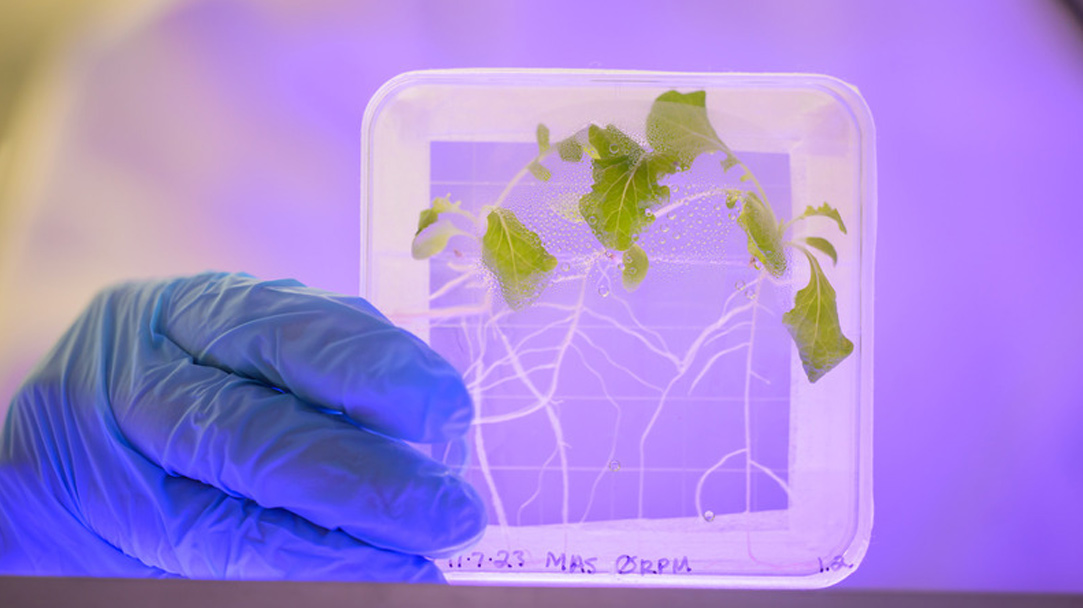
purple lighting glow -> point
(225, 135)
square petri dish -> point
(658, 288)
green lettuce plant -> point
(627, 189)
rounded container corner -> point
(849, 97)
(849, 558)
(388, 90)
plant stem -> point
(519, 175)
(677, 204)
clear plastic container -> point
(667, 334)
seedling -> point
(627, 192)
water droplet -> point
(718, 207)
(665, 228)
(708, 515)
(613, 148)
(620, 265)
(677, 236)
(614, 465)
(750, 294)
(649, 214)
(662, 241)
(603, 290)
(632, 271)
(566, 267)
(674, 188)
(739, 285)
(673, 215)
(733, 216)
(594, 219)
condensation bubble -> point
(614, 465)
(603, 290)
(708, 515)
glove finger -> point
(335, 351)
(248, 439)
(187, 528)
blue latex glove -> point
(215, 427)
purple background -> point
(237, 125)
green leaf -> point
(543, 138)
(435, 228)
(516, 256)
(427, 218)
(440, 206)
(764, 237)
(635, 267)
(823, 245)
(539, 171)
(570, 150)
(729, 162)
(433, 239)
(824, 210)
(535, 167)
(625, 187)
(734, 196)
(814, 325)
(678, 127)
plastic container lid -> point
(658, 288)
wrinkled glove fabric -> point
(220, 426)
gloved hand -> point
(222, 427)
